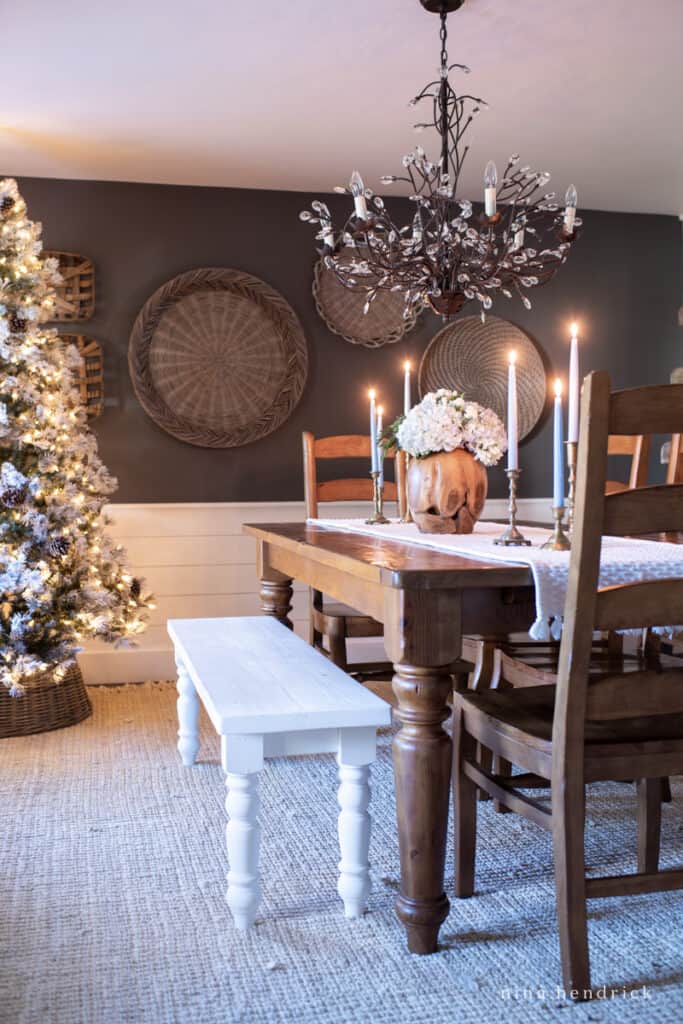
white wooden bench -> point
(269, 694)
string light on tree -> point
(61, 577)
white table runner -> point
(624, 560)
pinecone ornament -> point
(13, 497)
(58, 546)
(135, 589)
(17, 324)
(7, 204)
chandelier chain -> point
(443, 34)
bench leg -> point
(188, 716)
(356, 750)
(243, 838)
(242, 759)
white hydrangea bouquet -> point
(444, 421)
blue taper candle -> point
(558, 449)
(374, 461)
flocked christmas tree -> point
(62, 579)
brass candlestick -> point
(377, 518)
(406, 515)
(571, 463)
(558, 540)
(512, 537)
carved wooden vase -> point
(446, 492)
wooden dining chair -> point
(494, 657)
(485, 653)
(329, 621)
(598, 722)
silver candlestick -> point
(558, 540)
(571, 499)
(512, 537)
(406, 517)
(377, 518)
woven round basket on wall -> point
(472, 357)
(218, 358)
(342, 311)
(45, 705)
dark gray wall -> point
(622, 283)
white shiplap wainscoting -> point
(198, 563)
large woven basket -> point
(75, 295)
(471, 357)
(218, 358)
(45, 705)
(342, 311)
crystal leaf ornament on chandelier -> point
(450, 255)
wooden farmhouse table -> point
(426, 600)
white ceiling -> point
(293, 94)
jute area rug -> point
(112, 896)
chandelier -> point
(449, 255)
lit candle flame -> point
(574, 329)
(371, 393)
(558, 388)
(406, 365)
(513, 356)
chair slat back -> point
(635, 695)
(638, 447)
(654, 509)
(639, 605)
(649, 410)
(674, 473)
(342, 446)
(625, 606)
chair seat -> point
(517, 724)
(528, 663)
(335, 616)
(342, 611)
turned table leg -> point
(422, 770)
(276, 599)
(422, 636)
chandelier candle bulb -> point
(490, 183)
(373, 432)
(573, 424)
(358, 193)
(406, 387)
(571, 199)
(558, 449)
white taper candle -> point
(406, 388)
